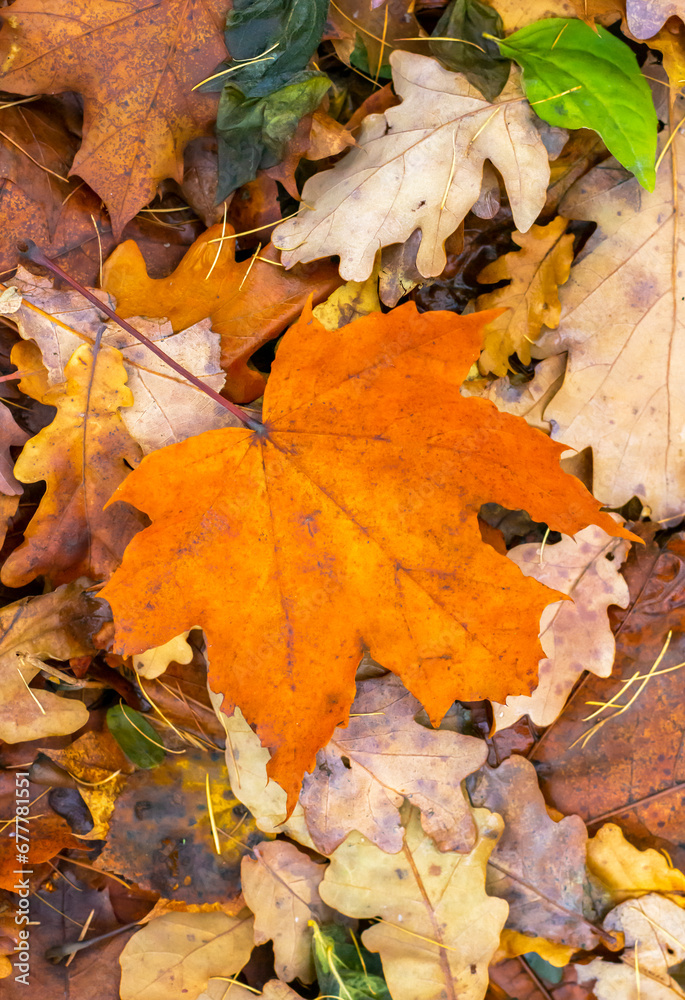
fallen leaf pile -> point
(342, 500)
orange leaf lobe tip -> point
(354, 520)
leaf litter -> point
(270, 669)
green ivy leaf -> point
(577, 77)
(141, 747)
(480, 61)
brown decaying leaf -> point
(139, 115)
(11, 435)
(380, 758)
(637, 754)
(575, 636)
(538, 865)
(439, 928)
(309, 541)
(160, 832)
(419, 165)
(248, 303)
(531, 298)
(83, 455)
(620, 375)
(177, 954)
(49, 833)
(51, 626)
(93, 759)
(60, 911)
(281, 887)
(516, 979)
(381, 29)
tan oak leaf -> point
(419, 165)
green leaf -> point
(290, 29)
(480, 61)
(359, 58)
(137, 746)
(253, 132)
(577, 77)
(539, 965)
(344, 968)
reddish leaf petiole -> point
(30, 251)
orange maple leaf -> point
(350, 518)
(135, 65)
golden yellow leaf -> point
(531, 297)
(176, 955)
(83, 455)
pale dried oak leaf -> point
(439, 929)
(419, 165)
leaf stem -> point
(30, 251)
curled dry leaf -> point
(153, 662)
(620, 376)
(381, 757)
(420, 165)
(319, 556)
(531, 298)
(138, 118)
(646, 17)
(654, 930)
(439, 929)
(10, 436)
(576, 635)
(626, 872)
(83, 455)
(246, 762)
(527, 400)
(248, 302)
(177, 954)
(51, 626)
(538, 865)
(281, 887)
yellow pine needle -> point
(160, 713)
(235, 982)
(444, 38)
(257, 229)
(254, 258)
(560, 34)
(39, 165)
(211, 814)
(240, 65)
(544, 542)
(92, 868)
(612, 701)
(144, 735)
(421, 937)
(221, 243)
(380, 54)
(563, 93)
(96, 784)
(84, 931)
(97, 233)
(483, 126)
(43, 712)
(663, 153)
